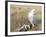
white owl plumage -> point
(31, 16)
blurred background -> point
(19, 16)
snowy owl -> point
(31, 16)
(31, 20)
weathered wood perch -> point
(24, 28)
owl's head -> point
(33, 11)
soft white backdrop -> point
(2, 18)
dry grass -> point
(18, 17)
